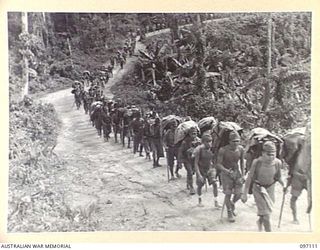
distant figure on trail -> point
(121, 61)
(97, 119)
(116, 120)
(133, 46)
(113, 61)
(125, 129)
(86, 78)
(87, 100)
(106, 123)
(110, 106)
(124, 55)
(264, 173)
(110, 71)
(232, 178)
(137, 133)
(77, 92)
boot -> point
(230, 216)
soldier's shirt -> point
(267, 173)
(137, 126)
(205, 158)
(231, 157)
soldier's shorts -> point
(116, 128)
(230, 185)
(126, 132)
(205, 177)
(297, 185)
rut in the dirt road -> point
(122, 191)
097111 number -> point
(304, 246)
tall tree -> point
(25, 70)
(267, 82)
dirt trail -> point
(127, 193)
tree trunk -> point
(143, 75)
(25, 70)
(153, 76)
(267, 83)
(70, 51)
(109, 20)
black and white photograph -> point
(159, 121)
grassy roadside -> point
(36, 203)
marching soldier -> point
(171, 149)
(184, 156)
(156, 143)
(232, 178)
(264, 173)
(203, 162)
(137, 132)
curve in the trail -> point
(121, 191)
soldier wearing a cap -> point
(264, 173)
(231, 176)
(136, 127)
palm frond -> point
(292, 76)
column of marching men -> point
(90, 88)
(212, 151)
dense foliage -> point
(33, 134)
(58, 47)
(215, 68)
(224, 64)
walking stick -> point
(222, 209)
(281, 210)
(167, 165)
(309, 202)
